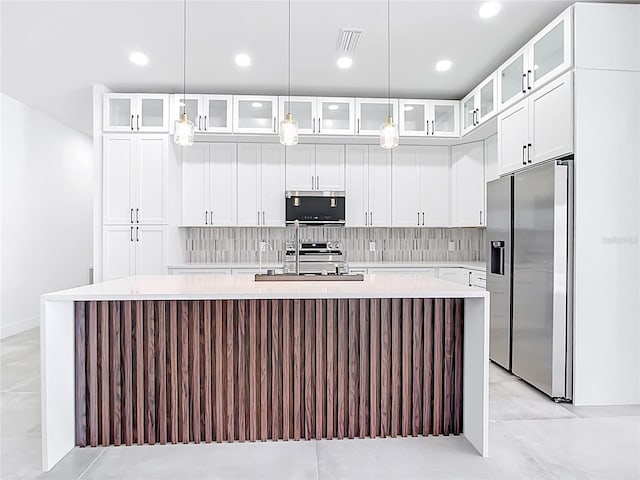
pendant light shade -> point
(184, 129)
(289, 127)
(289, 131)
(389, 137)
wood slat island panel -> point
(166, 371)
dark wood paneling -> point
(226, 370)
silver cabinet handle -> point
(371, 218)
(274, 124)
(206, 217)
(365, 219)
(317, 182)
(263, 218)
(524, 86)
(137, 234)
(206, 123)
(131, 122)
(529, 153)
(529, 72)
(138, 122)
(131, 216)
(137, 215)
(131, 234)
(423, 219)
(358, 131)
(524, 154)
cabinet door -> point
(151, 179)
(118, 112)
(491, 170)
(336, 116)
(379, 187)
(223, 169)
(372, 113)
(255, 114)
(151, 250)
(330, 167)
(444, 118)
(467, 175)
(434, 186)
(118, 172)
(152, 113)
(551, 120)
(487, 98)
(191, 104)
(303, 110)
(356, 188)
(405, 187)
(249, 184)
(414, 116)
(216, 113)
(118, 252)
(273, 188)
(300, 167)
(469, 112)
(195, 184)
(455, 275)
(551, 50)
(513, 135)
(512, 79)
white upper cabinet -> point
(480, 104)
(209, 113)
(368, 186)
(304, 111)
(146, 112)
(272, 186)
(405, 190)
(421, 118)
(547, 55)
(336, 116)
(379, 179)
(468, 185)
(195, 184)
(255, 114)
(539, 128)
(135, 179)
(372, 113)
(315, 167)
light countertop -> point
(244, 286)
(472, 265)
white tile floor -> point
(530, 438)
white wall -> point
(46, 211)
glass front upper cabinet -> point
(216, 111)
(512, 79)
(372, 113)
(413, 118)
(550, 50)
(444, 119)
(336, 116)
(303, 110)
(135, 112)
(255, 114)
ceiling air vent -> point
(349, 39)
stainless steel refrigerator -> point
(529, 275)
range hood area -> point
(315, 208)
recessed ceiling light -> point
(345, 62)
(243, 60)
(489, 9)
(139, 58)
(333, 107)
(443, 65)
(256, 105)
(408, 108)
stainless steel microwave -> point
(315, 208)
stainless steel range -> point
(320, 258)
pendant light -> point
(184, 128)
(289, 127)
(389, 131)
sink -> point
(309, 277)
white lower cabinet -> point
(468, 185)
(134, 250)
(430, 272)
(368, 186)
(260, 185)
(455, 275)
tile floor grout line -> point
(104, 449)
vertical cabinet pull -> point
(529, 72)
(131, 122)
(319, 123)
(529, 153)
(469, 278)
(433, 127)
(137, 234)
(427, 127)
(131, 216)
(206, 217)
(524, 154)
(313, 182)
(313, 123)
(131, 234)
(365, 219)
(358, 131)
(138, 122)
(263, 222)
(199, 122)
(524, 87)
(480, 217)
(137, 215)
(206, 123)
(423, 219)
(274, 124)
(418, 218)
(317, 182)
(258, 217)
(371, 218)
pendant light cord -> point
(184, 59)
(389, 54)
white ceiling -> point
(54, 51)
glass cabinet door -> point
(303, 110)
(413, 118)
(551, 50)
(216, 113)
(444, 118)
(255, 114)
(372, 113)
(487, 92)
(153, 113)
(118, 113)
(335, 116)
(512, 79)
(468, 112)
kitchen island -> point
(169, 359)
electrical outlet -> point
(452, 245)
(372, 246)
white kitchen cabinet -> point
(453, 274)
(372, 113)
(135, 180)
(134, 250)
(336, 116)
(544, 57)
(304, 111)
(480, 104)
(421, 118)
(420, 187)
(125, 112)
(538, 128)
(429, 272)
(478, 279)
(491, 171)
(209, 182)
(468, 185)
(255, 114)
(209, 113)
(368, 186)
(261, 185)
(315, 167)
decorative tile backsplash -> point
(239, 245)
